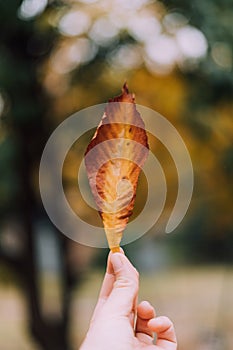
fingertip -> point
(117, 261)
(154, 323)
(164, 328)
(160, 323)
(122, 250)
(145, 310)
(110, 266)
(145, 305)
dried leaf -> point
(113, 161)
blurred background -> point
(57, 57)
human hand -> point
(118, 323)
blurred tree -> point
(24, 45)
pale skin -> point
(118, 323)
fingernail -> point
(116, 261)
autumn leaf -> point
(113, 160)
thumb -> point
(125, 288)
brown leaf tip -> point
(125, 88)
(126, 96)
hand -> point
(118, 323)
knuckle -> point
(124, 282)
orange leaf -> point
(113, 161)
